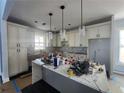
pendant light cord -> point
(62, 8)
(50, 24)
(62, 20)
(81, 14)
(50, 14)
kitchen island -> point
(59, 79)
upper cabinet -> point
(102, 30)
(12, 36)
(20, 34)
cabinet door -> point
(76, 39)
(54, 40)
(104, 31)
(12, 36)
(22, 37)
(23, 63)
(92, 32)
(13, 62)
(58, 40)
(71, 39)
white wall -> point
(3, 30)
(0, 39)
(5, 8)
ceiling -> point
(29, 11)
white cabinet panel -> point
(13, 62)
(17, 49)
(71, 39)
(54, 40)
(76, 39)
(58, 40)
(92, 32)
(23, 64)
(104, 31)
(22, 36)
(12, 36)
(99, 31)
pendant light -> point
(50, 32)
(63, 31)
(82, 28)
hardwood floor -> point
(15, 86)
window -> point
(39, 42)
(121, 49)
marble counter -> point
(97, 81)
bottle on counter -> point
(55, 62)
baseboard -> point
(18, 75)
(120, 73)
(5, 80)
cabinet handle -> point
(19, 44)
(19, 50)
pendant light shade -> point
(50, 32)
(82, 31)
(63, 31)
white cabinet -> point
(99, 31)
(54, 40)
(12, 36)
(58, 40)
(22, 37)
(71, 39)
(22, 59)
(17, 49)
(13, 59)
(104, 31)
(92, 33)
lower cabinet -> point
(17, 61)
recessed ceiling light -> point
(36, 21)
(43, 24)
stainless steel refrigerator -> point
(99, 51)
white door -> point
(13, 62)
(23, 63)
